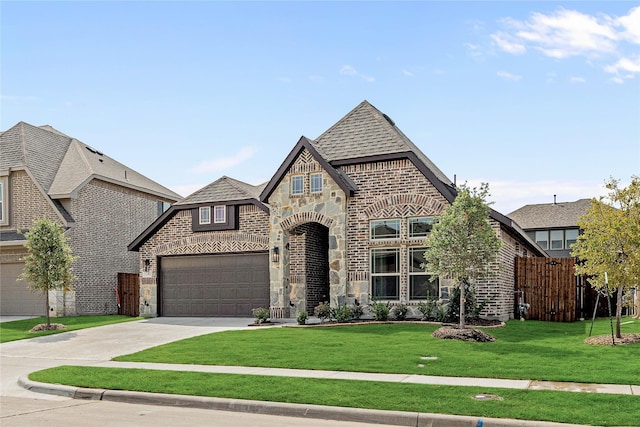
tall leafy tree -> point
(47, 265)
(609, 246)
(463, 244)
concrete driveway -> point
(94, 346)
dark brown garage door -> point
(214, 285)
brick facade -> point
(176, 237)
(27, 203)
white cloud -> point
(316, 78)
(284, 80)
(348, 70)
(508, 76)
(569, 33)
(407, 73)
(577, 79)
(224, 163)
(369, 79)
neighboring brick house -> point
(101, 203)
(345, 219)
(553, 226)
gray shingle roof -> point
(550, 215)
(62, 165)
(364, 132)
(225, 189)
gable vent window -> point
(316, 183)
(220, 214)
(205, 215)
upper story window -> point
(4, 211)
(385, 229)
(542, 239)
(421, 227)
(297, 184)
(219, 214)
(316, 183)
(557, 239)
(570, 237)
(205, 215)
(163, 207)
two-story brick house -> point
(345, 219)
(101, 203)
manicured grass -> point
(581, 408)
(19, 329)
(523, 350)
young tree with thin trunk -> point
(47, 265)
(462, 244)
(608, 249)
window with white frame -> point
(421, 285)
(297, 184)
(205, 215)
(385, 229)
(316, 182)
(570, 237)
(542, 239)
(219, 214)
(385, 274)
(3, 205)
(557, 240)
(421, 227)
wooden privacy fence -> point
(549, 286)
(129, 294)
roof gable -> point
(340, 178)
(224, 189)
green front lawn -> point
(19, 329)
(523, 350)
(581, 408)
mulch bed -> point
(606, 339)
(52, 327)
(466, 334)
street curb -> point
(334, 413)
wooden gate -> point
(129, 294)
(549, 286)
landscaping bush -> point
(400, 312)
(261, 314)
(427, 308)
(323, 311)
(357, 311)
(472, 308)
(302, 317)
(342, 314)
(380, 310)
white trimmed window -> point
(421, 227)
(219, 214)
(385, 229)
(205, 215)
(316, 183)
(421, 285)
(570, 237)
(385, 274)
(4, 200)
(557, 240)
(542, 239)
(297, 184)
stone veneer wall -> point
(177, 238)
(107, 218)
(327, 208)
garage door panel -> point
(214, 285)
(16, 299)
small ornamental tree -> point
(462, 243)
(47, 265)
(608, 249)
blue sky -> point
(535, 98)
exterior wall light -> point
(275, 254)
(147, 263)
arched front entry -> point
(308, 266)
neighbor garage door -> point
(15, 298)
(214, 285)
